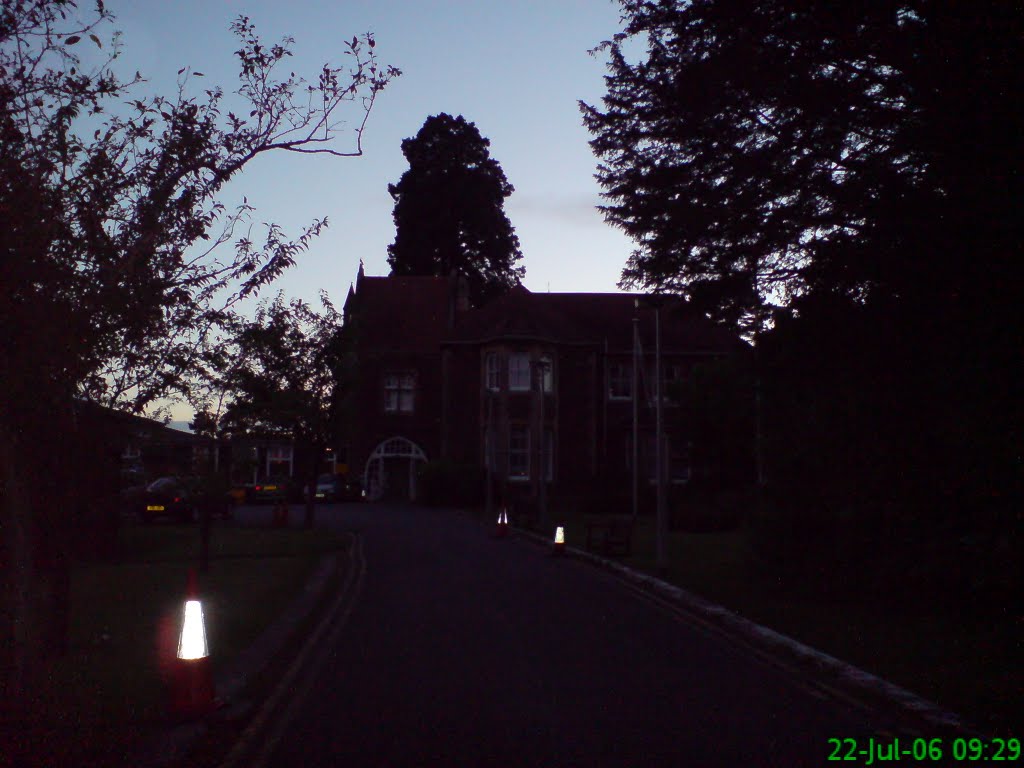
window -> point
(518, 453)
(519, 373)
(493, 371)
(547, 371)
(676, 458)
(398, 392)
(620, 381)
(279, 461)
(672, 378)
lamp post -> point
(661, 552)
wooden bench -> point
(610, 535)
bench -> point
(610, 535)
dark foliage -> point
(761, 150)
(449, 210)
(842, 184)
(442, 483)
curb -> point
(848, 679)
(175, 742)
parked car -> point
(337, 488)
(328, 488)
(268, 492)
(166, 497)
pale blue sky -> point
(516, 69)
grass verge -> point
(108, 695)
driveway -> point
(466, 650)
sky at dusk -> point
(517, 70)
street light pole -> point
(542, 469)
(489, 451)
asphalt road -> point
(465, 650)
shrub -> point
(443, 483)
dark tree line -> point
(841, 183)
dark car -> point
(271, 491)
(331, 488)
(328, 487)
(167, 497)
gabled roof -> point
(400, 313)
(592, 318)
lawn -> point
(109, 693)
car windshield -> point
(323, 479)
(163, 484)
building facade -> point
(537, 388)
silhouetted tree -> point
(449, 210)
(109, 219)
(760, 150)
(284, 378)
(843, 183)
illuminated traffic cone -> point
(559, 545)
(192, 692)
(501, 531)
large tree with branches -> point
(113, 273)
(449, 210)
(843, 183)
(756, 151)
(282, 381)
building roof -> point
(592, 319)
(92, 415)
(400, 313)
(414, 314)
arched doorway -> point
(390, 471)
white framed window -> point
(547, 372)
(399, 392)
(620, 381)
(519, 373)
(279, 461)
(492, 371)
(518, 453)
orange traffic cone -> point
(559, 546)
(192, 693)
(501, 531)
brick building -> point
(533, 384)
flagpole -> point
(636, 409)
